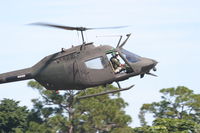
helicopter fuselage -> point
(81, 67)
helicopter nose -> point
(148, 65)
(154, 63)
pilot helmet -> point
(115, 53)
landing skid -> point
(106, 92)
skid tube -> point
(106, 92)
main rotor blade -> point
(114, 27)
(61, 26)
(75, 28)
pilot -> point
(118, 67)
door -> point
(98, 70)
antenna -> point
(113, 36)
(119, 41)
(128, 35)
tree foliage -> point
(180, 103)
(170, 125)
(178, 111)
(63, 112)
(12, 117)
(177, 125)
(102, 113)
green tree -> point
(63, 112)
(13, 118)
(178, 125)
(179, 103)
(170, 125)
(35, 127)
(103, 113)
(178, 111)
(151, 129)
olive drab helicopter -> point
(84, 66)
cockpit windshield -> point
(131, 57)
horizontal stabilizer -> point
(18, 75)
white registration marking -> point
(21, 76)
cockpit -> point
(131, 57)
(121, 60)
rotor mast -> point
(82, 37)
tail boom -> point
(18, 75)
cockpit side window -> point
(96, 63)
(131, 57)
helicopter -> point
(84, 66)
